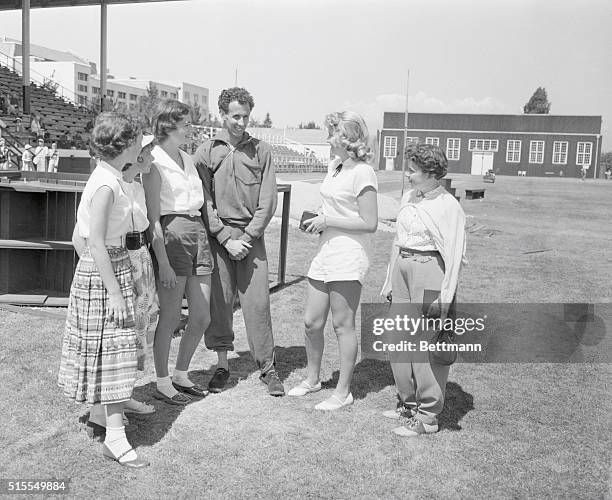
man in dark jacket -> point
(240, 181)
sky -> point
(302, 59)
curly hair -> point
(430, 158)
(352, 131)
(112, 134)
(238, 94)
(167, 114)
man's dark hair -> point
(238, 94)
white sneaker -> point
(304, 388)
(334, 403)
(414, 427)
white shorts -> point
(338, 261)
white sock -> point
(118, 444)
(164, 385)
(180, 377)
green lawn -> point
(508, 430)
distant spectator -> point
(26, 159)
(78, 141)
(608, 173)
(18, 125)
(583, 172)
(62, 142)
(2, 127)
(35, 128)
(4, 103)
(53, 158)
(5, 156)
(14, 103)
(40, 156)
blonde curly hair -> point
(352, 132)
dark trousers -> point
(249, 279)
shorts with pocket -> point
(187, 246)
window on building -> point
(82, 99)
(164, 93)
(82, 88)
(583, 153)
(196, 98)
(121, 95)
(483, 145)
(95, 90)
(186, 96)
(560, 153)
(415, 140)
(133, 97)
(173, 95)
(453, 148)
(110, 93)
(536, 152)
(432, 140)
(82, 77)
(390, 147)
(204, 99)
(513, 151)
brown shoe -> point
(275, 386)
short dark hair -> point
(238, 94)
(430, 158)
(112, 134)
(167, 114)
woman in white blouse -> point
(182, 259)
(426, 256)
(337, 272)
(99, 357)
(146, 306)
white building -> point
(79, 80)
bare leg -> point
(344, 300)
(315, 317)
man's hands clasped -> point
(237, 249)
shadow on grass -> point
(287, 360)
(457, 403)
(372, 375)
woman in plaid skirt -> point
(146, 303)
(99, 357)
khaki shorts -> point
(187, 245)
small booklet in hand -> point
(306, 215)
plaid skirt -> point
(146, 303)
(99, 357)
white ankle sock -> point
(118, 444)
(164, 385)
(181, 378)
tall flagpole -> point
(405, 135)
(236, 78)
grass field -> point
(507, 430)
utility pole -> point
(236, 78)
(405, 135)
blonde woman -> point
(338, 270)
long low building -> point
(532, 145)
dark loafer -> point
(220, 378)
(179, 399)
(194, 390)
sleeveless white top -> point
(181, 190)
(120, 219)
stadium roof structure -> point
(36, 4)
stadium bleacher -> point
(59, 116)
